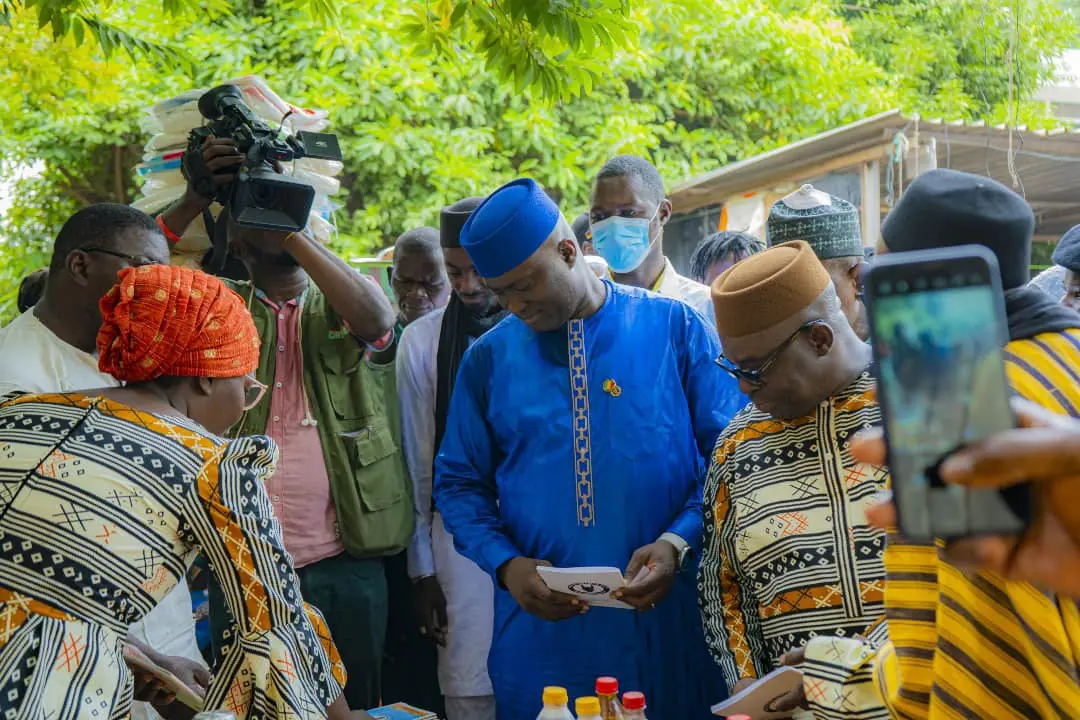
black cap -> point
(452, 219)
(945, 208)
(1067, 252)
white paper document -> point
(592, 585)
(753, 700)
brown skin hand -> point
(553, 286)
(846, 274)
(283, 272)
(420, 283)
(467, 283)
(281, 265)
(821, 361)
(623, 196)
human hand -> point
(795, 699)
(149, 689)
(429, 607)
(1044, 449)
(742, 685)
(187, 671)
(520, 578)
(651, 572)
(218, 161)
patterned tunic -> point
(980, 646)
(789, 560)
(101, 510)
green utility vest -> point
(354, 402)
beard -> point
(484, 309)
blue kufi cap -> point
(508, 227)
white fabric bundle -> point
(171, 120)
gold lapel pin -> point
(612, 388)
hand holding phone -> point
(938, 331)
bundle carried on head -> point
(172, 120)
(165, 320)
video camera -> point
(260, 197)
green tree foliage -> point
(1073, 7)
(951, 58)
(434, 102)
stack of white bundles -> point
(170, 121)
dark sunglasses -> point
(757, 376)
(133, 260)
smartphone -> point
(938, 328)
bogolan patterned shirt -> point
(788, 558)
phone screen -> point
(938, 341)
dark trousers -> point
(352, 596)
(411, 661)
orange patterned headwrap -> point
(165, 320)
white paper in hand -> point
(137, 660)
(592, 585)
(753, 700)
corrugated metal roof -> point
(1047, 162)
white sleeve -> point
(416, 394)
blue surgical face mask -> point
(623, 242)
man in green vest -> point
(340, 490)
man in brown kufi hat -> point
(790, 568)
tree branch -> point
(79, 196)
(119, 187)
(73, 190)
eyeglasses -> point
(253, 392)
(133, 260)
(756, 377)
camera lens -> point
(262, 195)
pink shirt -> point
(300, 489)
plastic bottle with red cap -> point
(633, 706)
(607, 689)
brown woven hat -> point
(767, 288)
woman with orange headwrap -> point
(106, 495)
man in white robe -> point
(453, 595)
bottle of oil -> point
(607, 690)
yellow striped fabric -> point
(982, 647)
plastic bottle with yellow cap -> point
(588, 708)
(555, 705)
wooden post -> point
(871, 202)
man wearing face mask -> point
(629, 211)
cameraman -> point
(340, 490)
